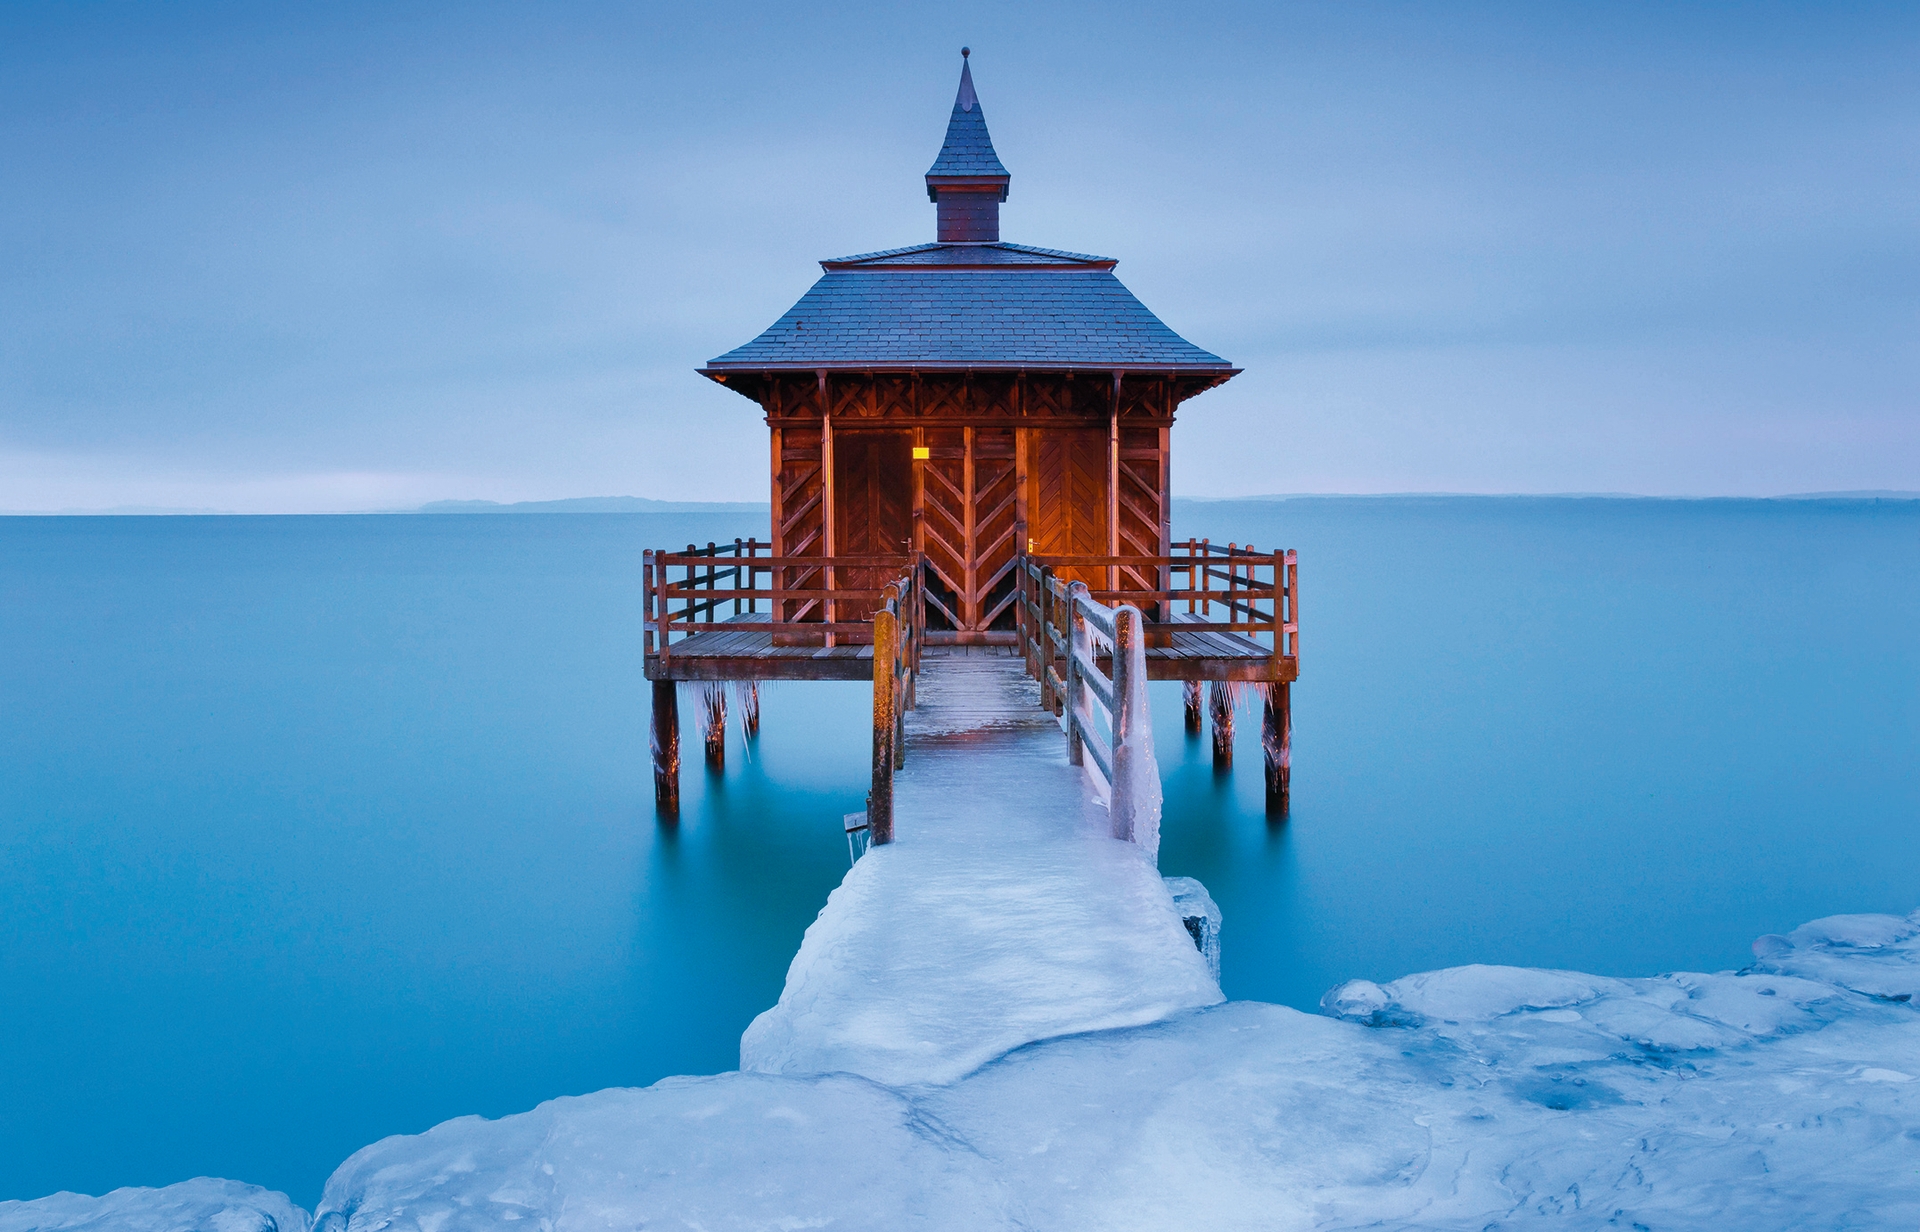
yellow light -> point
(921, 453)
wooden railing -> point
(802, 600)
(1199, 588)
(1078, 621)
(899, 630)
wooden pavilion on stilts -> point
(958, 431)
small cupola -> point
(967, 183)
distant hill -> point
(1864, 494)
(594, 504)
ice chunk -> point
(205, 1204)
(1463, 994)
(1201, 915)
(1878, 955)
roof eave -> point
(720, 372)
(967, 183)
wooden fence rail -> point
(1114, 753)
(899, 629)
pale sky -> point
(268, 258)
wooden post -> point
(1043, 638)
(1022, 532)
(919, 494)
(1077, 645)
(880, 798)
(648, 624)
(1113, 486)
(1166, 500)
(713, 582)
(1220, 702)
(662, 615)
(666, 750)
(1293, 603)
(1190, 694)
(1276, 738)
(1126, 633)
(827, 608)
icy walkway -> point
(1001, 914)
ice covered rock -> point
(205, 1204)
(1201, 915)
(1878, 955)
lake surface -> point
(314, 830)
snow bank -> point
(202, 1205)
(1783, 1097)
(731, 1152)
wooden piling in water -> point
(1276, 739)
(1220, 703)
(666, 749)
(1190, 694)
(713, 714)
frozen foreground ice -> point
(203, 1205)
(1000, 1022)
(1783, 1097)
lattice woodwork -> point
(963, 505)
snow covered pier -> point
(1003, 911)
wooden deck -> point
(719, 652)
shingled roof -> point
(958, 306)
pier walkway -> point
(1001, 913)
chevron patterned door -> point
(873, 503)
(1068, 515)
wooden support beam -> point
(666, 750)
(1220, 703)
(1113, 485)
(1276, 739)
(1190, 694)
(970, 585)
(826, 488)
(886, 634)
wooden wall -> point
(1070, 463)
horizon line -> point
(643, 504)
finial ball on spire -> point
(965, 52)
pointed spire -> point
(967, 181)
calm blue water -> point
(314, 830)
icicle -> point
(746, 695)
(1142, 768)
(713, 720)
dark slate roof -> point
(995, 254)
(909, 316)
(968, 151)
